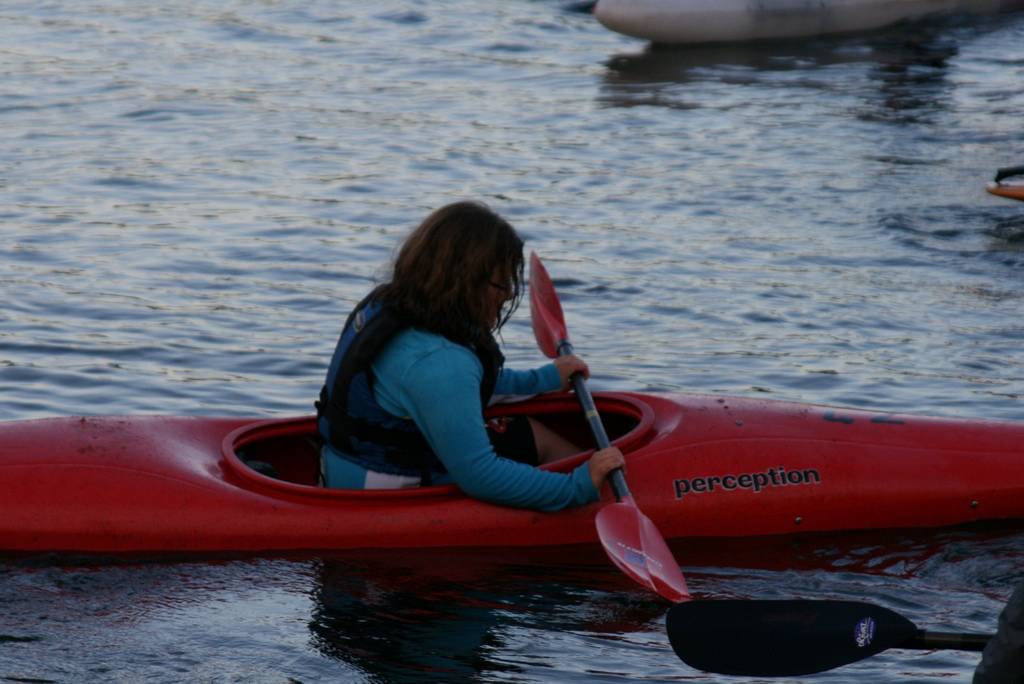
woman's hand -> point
(567, 366)
(603, 462)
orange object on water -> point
(1009, 190)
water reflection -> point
(449, 615)
(906, 71)
(992, 235)
(453, 615)
(912, 81)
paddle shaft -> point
(954, 641)
(617, 480)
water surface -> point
(194, 194)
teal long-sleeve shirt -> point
(436, 382)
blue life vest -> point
(350, 419)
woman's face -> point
(499, 291)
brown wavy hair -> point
(445, 270)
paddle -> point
(584, 7)
(790, 638)
(1008, 171)
(628, 536)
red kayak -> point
(698, 466)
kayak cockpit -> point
(285, 454)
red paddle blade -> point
(634, 544)
(545, 310)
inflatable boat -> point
(698, 466)
(709, 21)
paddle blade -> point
(545, 310)
(781, 638)
(636, 546)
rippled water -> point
(193, 195)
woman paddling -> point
(417, 363)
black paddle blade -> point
(781, 638)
